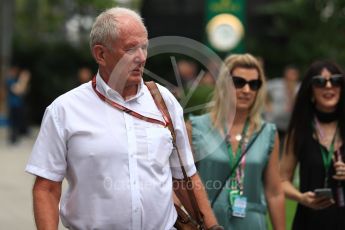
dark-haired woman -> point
(315, 140)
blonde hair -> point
(220, 111)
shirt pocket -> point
(160, 145)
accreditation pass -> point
(239, 207)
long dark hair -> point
(300, 127)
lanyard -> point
(326, 154)
(126, 110)
(233, 159)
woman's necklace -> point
(238, 136)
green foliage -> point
(198, 100)
(96, 4)
(290, 210)
(40, 44)
(294, 31)
(301, 31)
(54, 71)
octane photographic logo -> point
(174, 46)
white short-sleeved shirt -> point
(118, 167)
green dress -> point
(213, 164)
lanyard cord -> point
(233, 159)
(255, 136)
(126, 110)
(326, 154)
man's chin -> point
(134, 79)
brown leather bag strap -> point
(160, 103)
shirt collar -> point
(104, 88)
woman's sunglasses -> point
(240, 82)
(336, 80)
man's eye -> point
(144, 47)
(131, 50)
(134, 49)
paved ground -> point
(15, 185)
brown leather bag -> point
(186, 219)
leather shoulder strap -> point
(160, 103)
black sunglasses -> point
(336, 80)
(240, 82)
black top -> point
(312, 176)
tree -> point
(301, 31)
(42, 44)
(6, 31)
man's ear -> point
(98, 52)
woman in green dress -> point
(237, 152)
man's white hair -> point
(106, 27)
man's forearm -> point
(46, 198)
(46, 210)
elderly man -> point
(116, 164)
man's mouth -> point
(137, 70)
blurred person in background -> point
(243, 155)
(315, 141)
(110, 141)
(208, 79)
(84, 75)
(281, 97)
(188, 72)
(210, 76)
(17, 85)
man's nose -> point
(140, 56)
